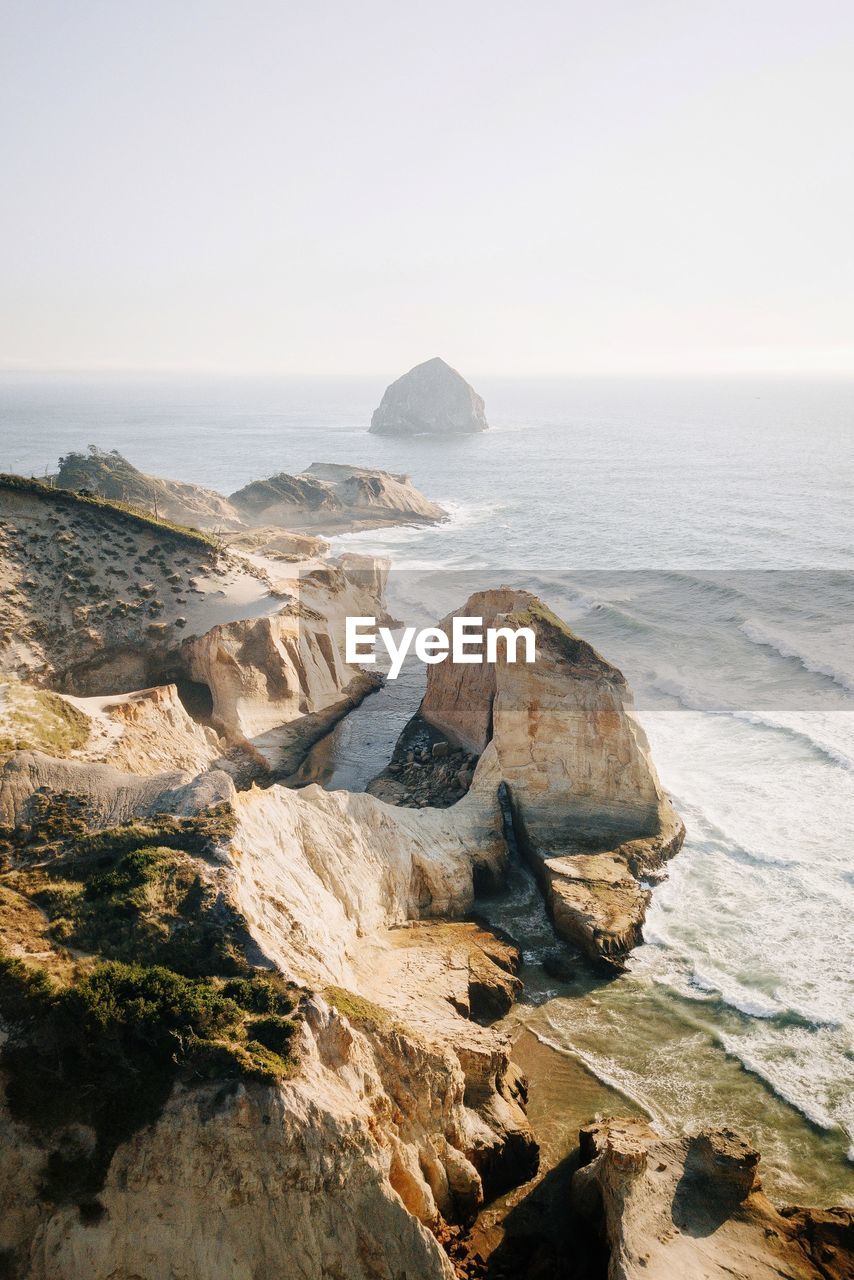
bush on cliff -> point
(105, 1050)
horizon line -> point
(616, 374)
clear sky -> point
(345, 186)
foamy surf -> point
(787, 647)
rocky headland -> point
(431, 399)
(325, 498)
(589, 812)
(251, 1030)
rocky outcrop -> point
(274, 543)
(588, 807)
(109, 475)
(431, 399)
(280, 681)
(148, 731)
(322, 870)
(97, 601)
(694, 1206)
(326, 497)
(332, 498)
(265, 673)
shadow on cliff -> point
(543, 1239)
(703, 1201)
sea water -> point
(700, 535)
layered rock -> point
(694, 1206)
(333, 498)
(390, 1125)
(280, 681)
(431, 399)
(588, 807)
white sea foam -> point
(788, 647)
(694, 700)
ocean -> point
(700, 534)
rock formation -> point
(103, 474)
(694, 1206)
(334, 498)
(588, 806)
(247, 1031)
(387, 1127)
(97, 600)
(146, 731)
(431, 399)
(325, 498)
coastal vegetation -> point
(131, 976)
(127, 511)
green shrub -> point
(105, 1051)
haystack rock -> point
(431, 399)
(589, 810)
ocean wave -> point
(786, 647)
(611, 1078)
(692, 700)
(752, 1004)
(802, 1100)
(676, 971)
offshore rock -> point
(431, 399)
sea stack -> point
(431, 399)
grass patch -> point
(124, 511)
(561, 637)
(364, 1013)
(36, 720)
(134, 892)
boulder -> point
(431, 399)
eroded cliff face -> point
(673, 1207)
(589, 809)
(97, 602)
(389, 1126)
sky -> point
(549, 187)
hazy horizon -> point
(345, 191)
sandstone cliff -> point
(95, 598)
(97, 601)
(383, 1129)
(589, 809)
(694, 1206)
(431, 399)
